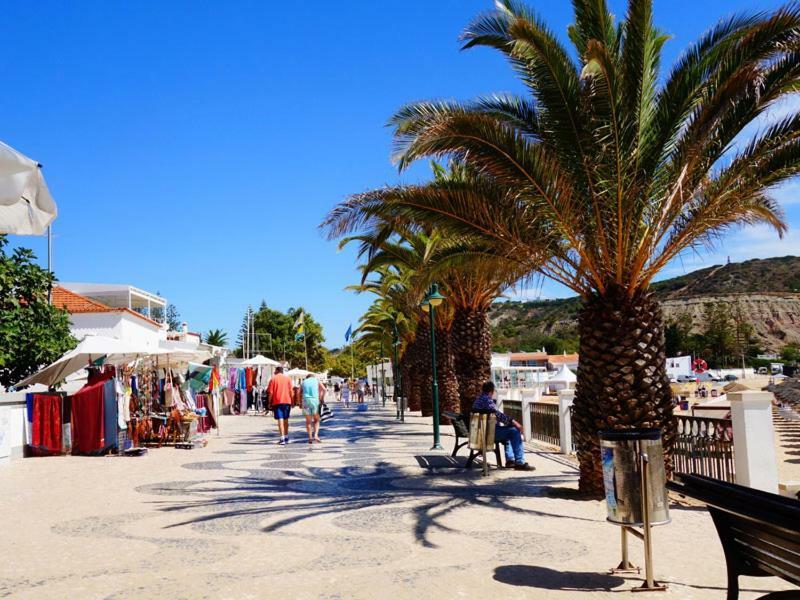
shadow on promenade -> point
(549, 579)
(291, 484)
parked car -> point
(731, 377)
(687, 378)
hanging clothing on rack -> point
(233, 379)
(46, 433)
(88, 419)
(110, 416)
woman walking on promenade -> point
(346, 393)
(310, 388)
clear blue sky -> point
(193, 148)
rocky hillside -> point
(766, 290)
(769, 275)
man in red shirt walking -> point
(280, 399)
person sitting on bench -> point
(507, 429)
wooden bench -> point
(460, 424)
(759, 531)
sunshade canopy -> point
(564, 375)
(176, 356)
(26, 206)
(93, 348)
(299, 373)
(261, 361)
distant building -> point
(185, 338)
(88, 316)
(124, 318)
(377, 371)
(114, 295)
(679, 365)
(556, 361)
(527, 359)
(519, 369)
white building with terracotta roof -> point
(88, 316)
(121, 295)
(556, 361)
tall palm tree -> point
(402, 258)
(216, 337)
(607, 171)
(470, 275)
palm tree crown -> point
(603, 173)
(606, 173)
(216, 337)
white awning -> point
(92, 348)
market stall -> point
(244, 384)
(134, 397)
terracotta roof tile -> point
(529, 356)
(75, 303)
(558, 359)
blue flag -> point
(348, 333)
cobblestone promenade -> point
(369, 513)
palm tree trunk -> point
(424, 372)
(419, 370)
(446, 372)
(622, 378)
(472, 344)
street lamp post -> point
(433, 299)
(383, 375)
(396, 377)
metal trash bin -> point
(620, 451)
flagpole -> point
(352, 363)
(305, 346)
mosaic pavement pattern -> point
(353, 517)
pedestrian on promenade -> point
(311, 399)
(360, 391)
(507, 430)
(337, 391)
(346, 393)
(280, 398)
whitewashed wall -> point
(118, 325)
(13, 432)
(136, 330)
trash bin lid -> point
(620, 435)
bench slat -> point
(770, 563)
(748, 509)
(764, 536)
(759, 531)
(766, 554)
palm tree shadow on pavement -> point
(290, 486)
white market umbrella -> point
(298, 373)
(89, 350)
(175, 356)
(26, 206)
(564, 375)
(261, 361)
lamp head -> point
(434, 297)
